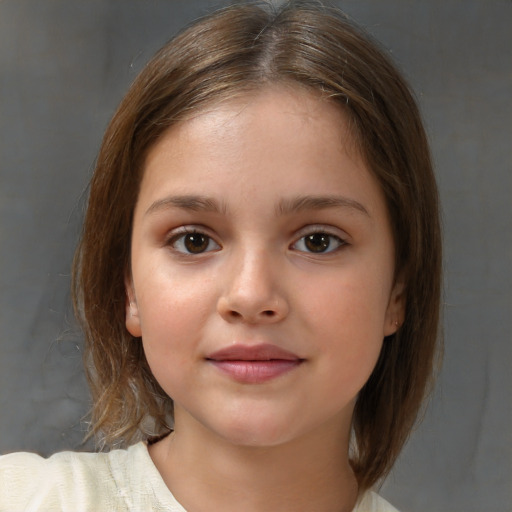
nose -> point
(253, 293)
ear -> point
(395, 313)
(132, 311)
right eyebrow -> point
(187, 202)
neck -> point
(206, 472)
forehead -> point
(277, 144)
(282, 108)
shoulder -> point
(19, 473)
(98, 481)
(30, 481)
(372, 502)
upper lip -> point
(261, 352)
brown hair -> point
(237, 50)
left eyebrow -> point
(302, 203)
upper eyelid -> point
(298, 234)
(189, 228)
(340, 243)
(173, 238)
(326, 229)
(323, 228)
(174, 234)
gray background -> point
(64, 66)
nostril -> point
(269, 312)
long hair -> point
(239, 50)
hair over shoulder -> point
(239, 50)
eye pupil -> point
(196, 243)
(317, 242)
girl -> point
(258, 277)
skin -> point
(281, 444)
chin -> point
(254, 432)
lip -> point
(253, 364)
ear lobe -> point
(132, 320)
(395, 313)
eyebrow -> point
(284, 207)
(304, 203)
(187, 202)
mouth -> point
(254, 364)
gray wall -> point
(64, 65)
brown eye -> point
(318, 243)
(196, 242)
(193, 243)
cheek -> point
(170, 299)
(172, 315)
(170, 328)
(355, 303)
(347, 320)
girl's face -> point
(262, 277)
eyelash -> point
(180, 237)
(322, 236)
(319, 233)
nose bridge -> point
(254, 264)
(253, 291)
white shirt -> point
(118, 481)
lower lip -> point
(255, 372)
